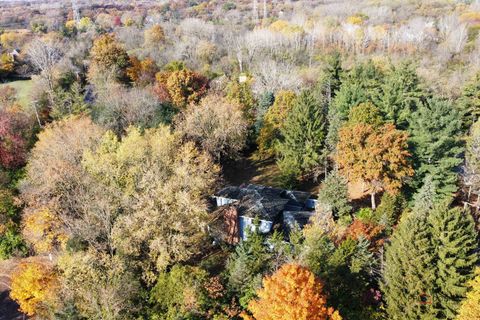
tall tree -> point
(377, 157)
(280, 295)
(429, 262)
(408, 276)
(469, 101)
(401, 94)
(334, 192)
(359, 85)
(331, 79)
(454, 239)
(436, 144)
(301, 149)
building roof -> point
(259, 201)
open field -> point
(23, 88)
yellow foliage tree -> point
(292, 293)
(470, 308)
(181, 87)
(108, 53)
(34, 286)
(273, 122)
(154, 36)
(44, 231)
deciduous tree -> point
(293, 292)
(378, 158)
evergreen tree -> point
(334, 193)
(407, 276)
(303, 138)
(425, 198)
(454, 240)
(332, 75)
(401, 94)
(361, 84)
(428, 264)
(436, 144)
(469, 102)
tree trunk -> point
(374, 205)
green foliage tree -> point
(408, 278)
(401, 94)
(331, 79)
(428, 264)
(469, 101)
(436, 144)
(365, 113)
(334, 192)
(178, 293)
(359, 85)
(455, 241)
(302, 148)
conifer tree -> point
(334, 193)
(469, 102)
(407, 276)
(436, 144)
(454, 240)
(361, 84)
(424, 199)
(332, 75)
(401, 94)
(303, 138)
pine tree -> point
(303, 138)
(469, 102)
(332, 75)
(407, 276)
(334, 193)
(454, 240)
(436, 144)
(361, 84)
(401, 94)
(425, 198)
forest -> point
(153, 154)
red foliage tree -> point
(13, 142)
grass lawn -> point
(23, 88)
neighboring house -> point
(238, 208)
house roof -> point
(259, 201)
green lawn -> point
(23, 88)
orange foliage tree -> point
(34, 286)
(292, 293)
(181, 87)
(377, 157)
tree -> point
(7, 65)
(44, 231)
(365, 113)
(279, 297)
(301, 148)
(54, 168)
(401, 94)
(331, 79)
(216, 125)
(34, 287)
(469, 101)
(241, 92)
(142, 72)
(178, 293)
(44, 53)
(181, 87)
(273, 121)
(361, 84)
(107, 53)
(154, 36)
(101, 286)
(454, 238)
(378, 158)
(470, 307)
(15, 129)
(436, 144)
(69, 102)
(334, 192)
(429, 263)
(408, 276)
(156, 201)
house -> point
(238, 209)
